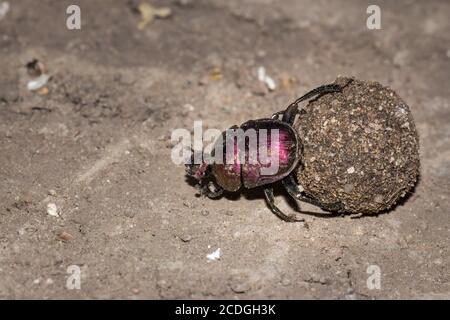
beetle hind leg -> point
(268, 192)
(294, 191)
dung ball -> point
(360, 148)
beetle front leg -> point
(268, 192)
(328, 88)
(292, 110)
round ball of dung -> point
(360, 148)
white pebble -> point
(52, 210)
(38, 83)
(4, 9)
(270, 83)
(261, 74)
(351, 170)
(214, 256)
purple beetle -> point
(233, 175)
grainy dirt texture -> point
(86, 176)
(360, 148)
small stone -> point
(324, 280)
(49, 281)
(271, 85)
(351, 170)
(52, 210)
(239, 283)
(204, 213)
(52, 193)
(65, 236)
(227, 212)
(185, 237)
(214, 255)
(187, 204)
(240, 287)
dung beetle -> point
(214, 178)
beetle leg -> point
(292, 188)
(292, 110)
(290, 113)
(328, 88)
(268, 192)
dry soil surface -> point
(98, 147)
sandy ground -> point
(98, 146)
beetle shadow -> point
(258, 194)
(279, 191)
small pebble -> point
(38, 82)
(228, 212)
(65, 236)
(187, 204)
(52, 210)
(214, 255)
(240, 287)
(185, 237)
(351, 170)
